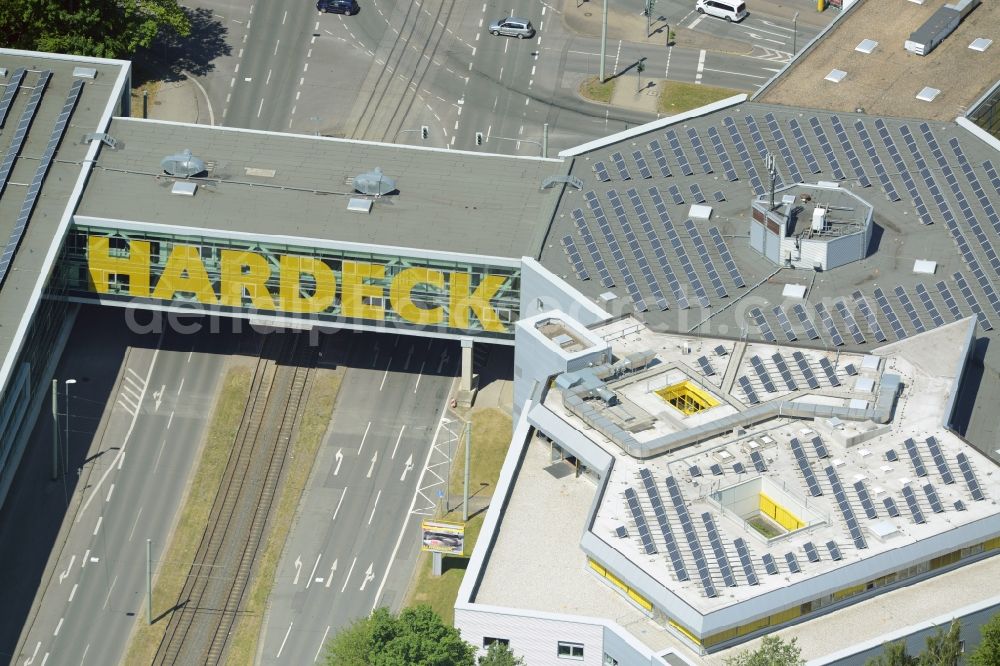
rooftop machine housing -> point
(811, 226)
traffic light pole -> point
(604, 39)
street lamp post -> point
(604, 38)
(67, 382)
(795, 32)
(55, 429)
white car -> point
(731, 10)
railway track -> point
(209, 603)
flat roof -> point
(271, 183)
(886, 81)
(898, 238)
(97, 100)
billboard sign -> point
(441, 537)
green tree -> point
(498, 654)
(103, 28)
(893, 654)
(415, 637)
(773, 651)
(988, 652)
(944, 648)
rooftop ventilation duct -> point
(374, 183)
(182, 165)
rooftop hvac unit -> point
(182, 165)
(819, 218)
(374, 183)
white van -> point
(731, 10)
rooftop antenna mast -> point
(769, 163)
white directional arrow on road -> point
(158, 395)
(369, 576)
(340, 458)
(298, 570)
(407, 467)
(333, 569)
(64, 574)
(372, 468)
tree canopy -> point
(943, 648)
(102, 28)
(415, 637)
(988, 651)
(498, 654)
(773, 651)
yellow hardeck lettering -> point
(291, 299)
(478, 301)
(402, 288)
(355, 290)
(247, 270)
(185, 273)
(102, 265)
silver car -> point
(513, 26)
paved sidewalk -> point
(645, 99)
(177, 101)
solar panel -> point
(925, 299)
(949, 300)
(850, 369)
(640, 163)
(739, 468)
(845, 508)
(620, 165)
(915, 460)
(800, 141)
(723, 154)
(575, 260)
(675, 193)
(748, 390)
(744, 554)
(658, 250)
(660, 158)
(695, 471)
(939, 460)
(834, 549)
(880, 171)
(720, 351)
(602, 172)
(807, 372)
(727, 258)
(682, 160)
(852, 325)
(831, 328)
(661, 519)
(702, 249)
(831, 374)
(824, 144)
(758, 142)
(991, 172)
(699, 150)
(890, 314)
(612, 242)
(914, 507)
(811, 553)
(977, 187)
(692, 537)
(762, 325)
(621, 532)
(734, 133)
(685, 260)
(758, 461)
(720, 552)
(769, 564)
(866, 312)
(762, 374)
(786, 374)
(793, 564)
(970, 299)
(784, 323)
(911, 312)
(807, 472)
(640, 256)
(591, 244)
(959, 505)
(820, 447)
(699, 196)
(716, 470)
(891, 456)
(719, 196)
(852, 157)
(10, 89)
(807, 325)
(21, 131)
(866, 500)
(933, 499)
(970, 477)
(890, 507)
(786, 153)
(632, 499)
(706, 366)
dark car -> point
(348, 7)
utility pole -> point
(468, 453)
(55, 429)
(604, 38)
(67, 382)
(795, 32)
(149, 582)
(545, 139)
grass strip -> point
(677, 97)
(596, 91)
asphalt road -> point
(131, 480)
(356, 535)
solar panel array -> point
(866, 500)
(633, 242)
(970, 477)
(739, 468)
(718, 550)
(640, 163)
(602, 172)
(939, 460)
(659, 511)
(807, 325)
(811, 553)
(716, 470)
(616, 251)
(591, 244)
(574, 257)
(890, 314)
(632, 499)
(932, 498)
(748, 391)
(741, 149)
(682, 160)
(831, 328)
(658, 250)
(834, 549)
(824, 143)
(723, 154)
(866, 312)
(21, 131)
(762, 325)
(727, 258)
(915, 459)
(706, 366)
(977, 187)
(949, 300)
(620, 165)
(699, 150)
(852, 157)
(793, 564)
(852, 325)
(702, 249)
(970, 299)
(880, 170)
(769, 564)
(806, 370)
(913, 506)
(820, 447)
(925, 299)
(831, 374)
(758, 461)
(692, 537)
(783, 149)
(909, 309)
(758, 142)
(661, 159)
(692, 276)
(675, 194)
(744, 554)
(10, 89)
(786, 326)
(845, 508)
(697, 194)
(786, 374)
(800, 141)
(807, 472)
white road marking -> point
(382, 385)
(372, 468)
(110, 490)
(58, 627)
(377, 497)
(329, 579)
(65, 573)
(85, 651)
(73, 591)
(298, 569)
(282, 647)
(364, 437)
(158, 454)
(369, 576)
(31, 659)
(696, 21)
(181, 387)
(134, 523)
(284, 18)
(268, 79)
(424, 362)
(349, 574)
(97, 529)
(86, 556)
(260, 107)
(276, 46)
(398, 439)
(108, 597)
(45, 658)
(407, 467)
(339, 502)
(312, 574)
(170, 420)
(190, 354)
(321, 644)
(339, 456)
(723, 71)
(701, 66)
